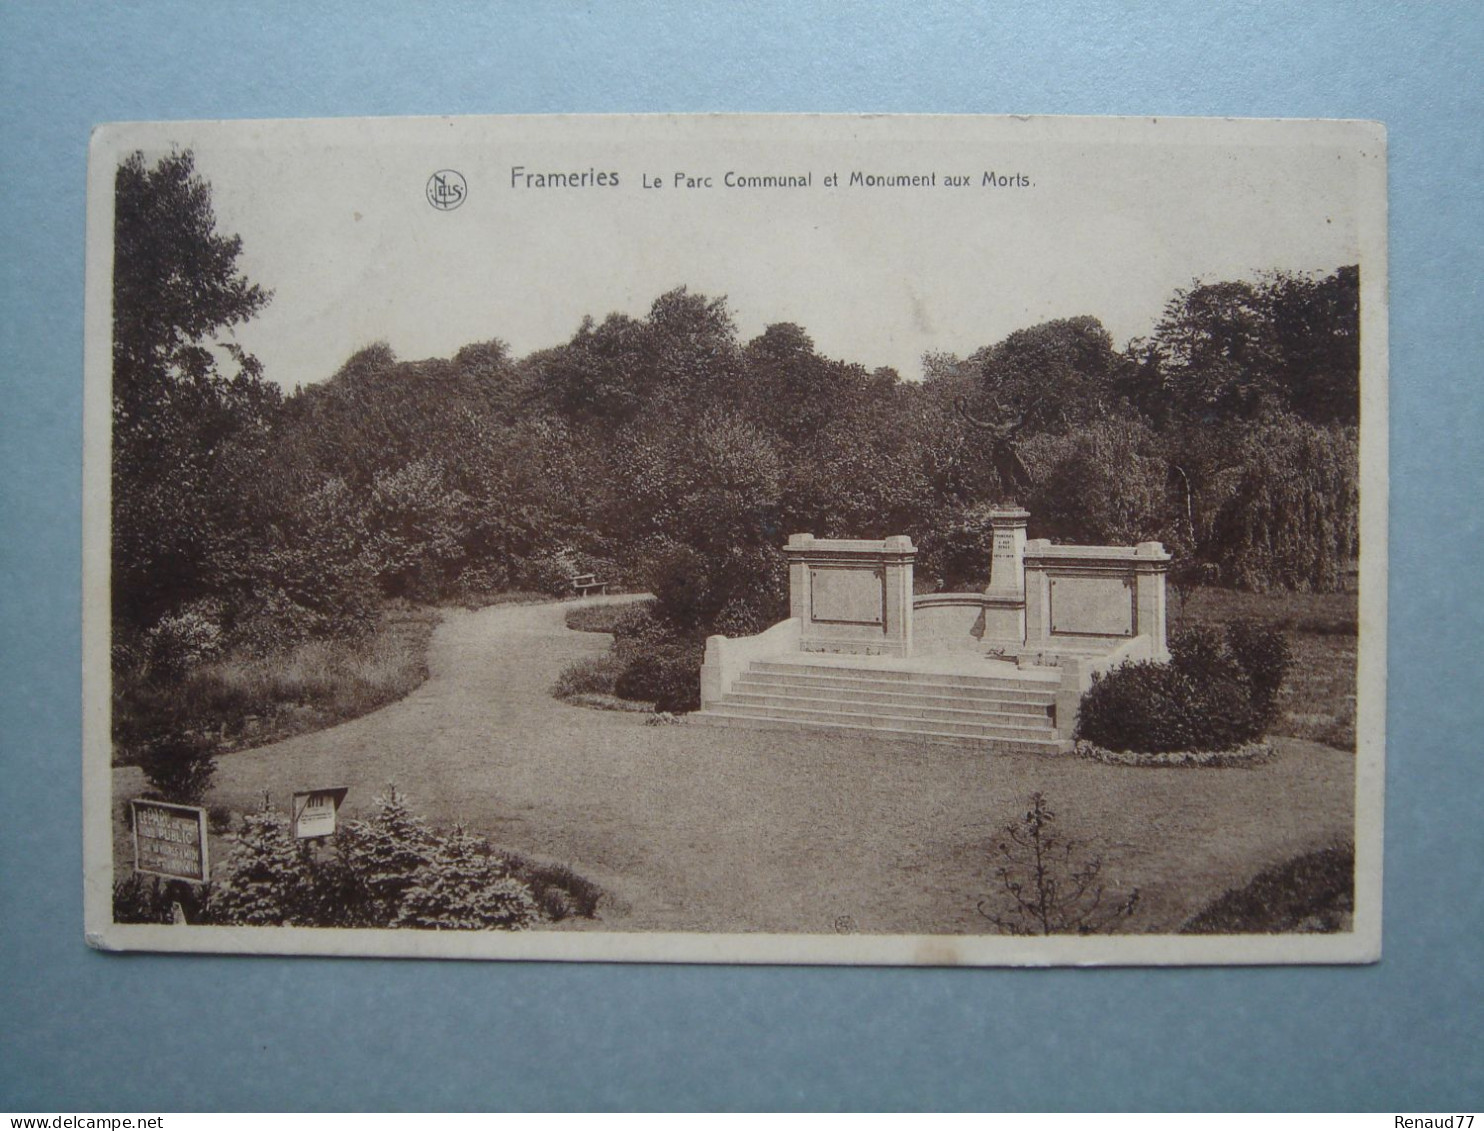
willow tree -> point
(1293, 519)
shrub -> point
(179, 766)
(478, 585)
(258, 697)
(267, 880)
(660, 663)
(670, 678)
(1313, 893)
(547, 573)
(605, 618)
(152, 899)
(595, 675)
(746, 616)
(179, 642)
(560, 892)
(1156, 708)
(636, 620)
(1262, 654)
(1218, 692)
(386, 852)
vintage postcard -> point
(818, 539)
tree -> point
(1292, 520)
(1243, 349)
(181, 393)
(1052, 888)
(1049, 376)
(1042, 379)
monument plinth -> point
(1006, 563)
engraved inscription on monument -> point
(1092, 606)
(847, 596)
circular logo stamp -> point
(447, 189)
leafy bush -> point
(737, 590)
(179, 642)
(595, 675)
(1218, 692)
(139, 898)
(636, 620)
(248, 697)
(659, 663)
(548, 573)
(559, 892)
(1313, 893)
(273, 622)
(179, 766)
(1262, 654)
(1155, 708)
(668, 677)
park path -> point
(700, 829)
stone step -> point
(713, 716)
(1024, 681)
(880, 719)
(872, 704)
(1001, 702)
(928, 683)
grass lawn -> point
(596, 618)
(1318, 697)
(241, 701)
(691, 828)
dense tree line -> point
(667, 452)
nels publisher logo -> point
(447, 190)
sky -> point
(1107, 217)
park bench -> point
(585, 584)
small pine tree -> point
(1052, 889)
(390, 870)
(385, 853)
(463, 887)
(267, 880)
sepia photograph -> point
(900, 540)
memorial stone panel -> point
(1092, 606)
(847, 596)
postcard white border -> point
(1362, 944)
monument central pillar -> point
(1007, 560)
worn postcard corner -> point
(898, 540)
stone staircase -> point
(987, 712)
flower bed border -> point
(1247, 755)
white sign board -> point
(314, 812)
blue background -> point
(87, 1031)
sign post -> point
(170, 840)
(314, 812)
